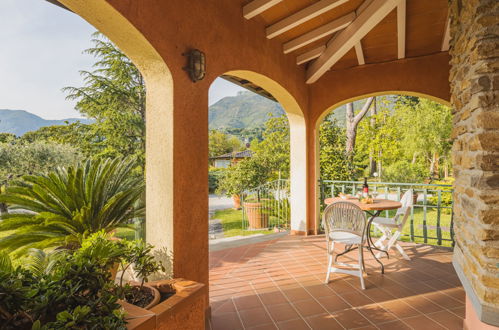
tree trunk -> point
(372, 161)
(432, 166)
(351, 132)
(3, 209)
(414, 158)
(352, 121)
(437, 164)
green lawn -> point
(126, 233)
(232, 223)
(431, 220)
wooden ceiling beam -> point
(401, 26)
(302, 16)
(319, 33)
(310, 55)
(360, 53)
(316, 52)
(257, 7)
(374, 13)
(446, 38)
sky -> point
(41, 52)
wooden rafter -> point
(302, 16)
(257, 7)
(401, 19)
(318, 33)
(446, 38)
(374, 13)
(360, 53)
(316, 52)
(310, 55)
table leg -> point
(370, 244)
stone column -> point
(474, 81)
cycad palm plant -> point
(62, 207)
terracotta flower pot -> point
(236, 199)
(257, 217)
(154, 291)
(183, 309)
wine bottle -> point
(365, 188)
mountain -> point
(245, 110)
(19, 122)
(250, 110)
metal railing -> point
(266, 206)
(431, 220)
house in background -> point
(228, 159)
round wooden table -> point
(373, 210)
(377, 205)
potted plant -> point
(73, 289)
(246, 175)
(137, 255)
(257, 213)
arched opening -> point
(297, 156)
(159, 113)
(396, 142)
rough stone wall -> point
(475, 98)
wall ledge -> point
(486, 313)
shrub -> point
(214, 176)
(67, 205)
(75, 289)
(245, 175)
(77, 294)
(403, 171)
(34, 158)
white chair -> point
(391, 228)
(345, 223)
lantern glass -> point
(196, 65)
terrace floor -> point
(278, 284)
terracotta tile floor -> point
(279, 285)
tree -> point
(379, 139)
(78, 135)
(427, 130)
(246, 174)
(221, 143)
(273, 151)
(7, 137)
(17, 159)
(334, 163)
(68, 204)
(114, 95)
(352, 121)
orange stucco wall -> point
(231, 43)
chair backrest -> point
(344, 217)
(407, 202)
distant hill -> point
(246, 110)
(19, 122)
(250, 110)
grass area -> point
(126, 233)
(232, 223)
(431, 222)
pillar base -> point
(471, 322)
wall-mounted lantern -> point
(196, 64)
